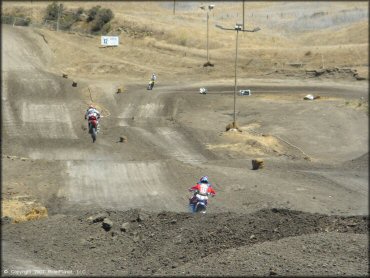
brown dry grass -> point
(177, 45)
(21, 210)
(248, 142)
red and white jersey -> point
(92, 113)
(203, 189)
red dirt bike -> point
(93, 127)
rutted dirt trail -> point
(119, 207)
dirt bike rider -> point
(201, 191)
(92, 114)
(153, 78)
(152, 81)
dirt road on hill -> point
(305, 213)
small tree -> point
(92, 13)
(102, 18)
(105, 15)
(52, 11)
(80, 11)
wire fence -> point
(15, 21)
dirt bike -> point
(198, 203)
(201, 206)
(93, 127)
(150, 85)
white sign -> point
(109, 40)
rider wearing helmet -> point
(201, 191)
(154, 77)
(92, 114)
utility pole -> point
(207, 37)
(237, 28)
(209, 8)
(243, 14)
(236, 59)
(174, 3)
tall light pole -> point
(237, 28)
(209, 8)
(243, 14)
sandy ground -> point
(304, 213)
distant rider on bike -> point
(92, 114)
(152, 81)
(201, 191)
(154, 77)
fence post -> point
(322, 61)
(15, 19)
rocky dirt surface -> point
(137, 242)
(119, 207)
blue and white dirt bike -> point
(198, 203)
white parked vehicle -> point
(245, 92)
(203, 91)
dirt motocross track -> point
(120, 208)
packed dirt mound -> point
(291, 257)
(249, 143)
(361, 162)
(137, 242)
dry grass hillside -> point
(152, 38)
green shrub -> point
(23, 21)
(67, 20)
(105, 15)
(7, 19)
(106, 28)
(182, 39)
(52, 11)
(80, 11)
(91, 14)
(102, 17)
(18, 19)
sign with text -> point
(109, 40)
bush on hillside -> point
(97, 16)
(106, 28)
(91, 14)
(52, 11)
(16, 19)
(80, 11)
(66, 21)
(101, 19)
